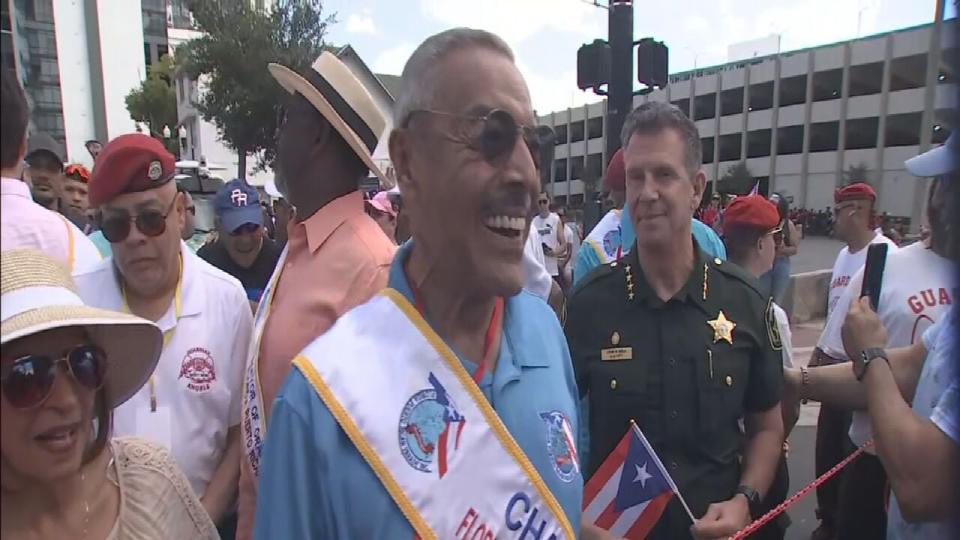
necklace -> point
(86, 505)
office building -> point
(77, 61)
(799, 119)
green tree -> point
(859, 172)
(738, 179)
(242, 100)
(154, 102)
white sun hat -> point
(37, 294)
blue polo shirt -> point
(707, 239)
(315, 484)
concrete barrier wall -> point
(806, 296)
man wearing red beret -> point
(853, 211)
(749, 226)
(192, 402)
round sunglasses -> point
(116, 228)
(497, 136)
(29, 380)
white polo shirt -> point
(198, 380)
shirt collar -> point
(327, 219)
(12, 186)
(692, 290)
(512, 328)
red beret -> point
(751, 211)
(128, 164)
(616, 177)
(853, 192)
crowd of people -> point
(451, 357)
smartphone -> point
(873, 274)
(546, 249)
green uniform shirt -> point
(665, 366)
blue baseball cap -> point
(939, 161)
(238, 204)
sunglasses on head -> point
(28, 381)
(150, 222)
(78, 171)
(497, 135)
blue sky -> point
(545, 34)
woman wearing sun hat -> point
(64, 367)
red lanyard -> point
(492, 334)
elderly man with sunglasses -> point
(444, 407)
(192, 402)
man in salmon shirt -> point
(336, 258)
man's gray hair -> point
(416, 82)
(655, 116)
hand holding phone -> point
(873, 274)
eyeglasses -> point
(150, 222)
(29, 380)
(497, 137)
(246, 228)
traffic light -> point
(652, 63)
(593, 65)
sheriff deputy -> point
(678, 341)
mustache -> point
(508, 197)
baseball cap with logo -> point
(238, 204)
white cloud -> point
(392, 60)
(554, 93)
(361, 23)
(518, 20)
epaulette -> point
(596, 274)
(734, 271)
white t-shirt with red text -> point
(918, 288)
(848, 264)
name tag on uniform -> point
(616, 353)
(156, 426)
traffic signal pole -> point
(620, 89)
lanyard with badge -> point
(156, 423)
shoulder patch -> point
(773, 329)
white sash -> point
(253, 420)
(605, 238)
(424, 427)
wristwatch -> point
(753, 499)
(867, 356)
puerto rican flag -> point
(630, 490)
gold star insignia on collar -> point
(722, 328)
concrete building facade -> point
(77, 61)
(799, 119)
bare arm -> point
(837, 386)
(922, 463)
(221, 492)
(789, 250)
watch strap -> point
(868, 356)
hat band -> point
(37, 297)
(342, 108)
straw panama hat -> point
(37, 294)
(331, 87)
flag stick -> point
(659, 463)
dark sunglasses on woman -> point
(28, 380)
(116, 228)
(497, 135)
